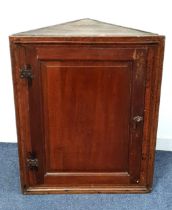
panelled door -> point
(85, 109)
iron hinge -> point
(26, 72)
(32, 161)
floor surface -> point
(12, 199)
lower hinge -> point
(32, 161)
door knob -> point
(137, 119)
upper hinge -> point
(26, 72)
(32, 161)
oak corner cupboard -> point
(86, 98)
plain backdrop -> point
(149, 15)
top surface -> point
(84, 28)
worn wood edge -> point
(110, 40)
(158, 65)
(89, 190)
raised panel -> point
(86, 116)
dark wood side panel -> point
(21, 103)
(155, 90)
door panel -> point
(84, 100)
(82, 106)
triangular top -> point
(84, 28)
